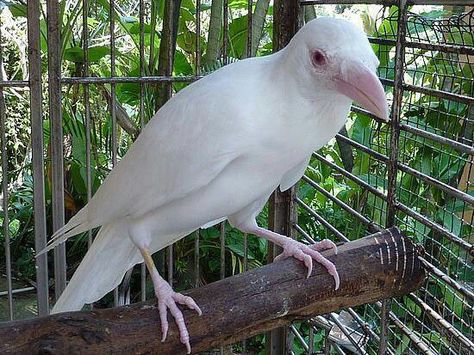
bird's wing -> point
(293, 175)
(182, 149)
(213, 223)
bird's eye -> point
(318, 58)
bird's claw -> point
(168, 299)
(306, 253)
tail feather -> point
(101, 270)
(77, 224)
(111, 255)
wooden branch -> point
(379, 266)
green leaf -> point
(18, 10)
(135, 29)
(238, 4)
(412, 306)
(238, 36)
(181, 64)
(14, 227)
(450, 221)
(405, 343)
(76, 54)
(187, 41)
(454, 303)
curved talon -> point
(335, 275)
(306, 254)
(187, 301)
(163, 311)
(308, 261)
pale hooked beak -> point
(359, 83)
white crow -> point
(216, 151)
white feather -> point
(292, 176)
(218, 148)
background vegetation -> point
(423, 69)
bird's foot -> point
(167, 299)
(306, 253)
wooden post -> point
(281, 208)
(380, 266)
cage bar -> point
(57, 143)
(5, 193)
(36, 118)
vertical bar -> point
(55, 116)
(87, 113)
(222, 258)
(225, 44)
(246, 251)
(222, 240)
(281, 207)
(6, 222)
(142, 119)
(198, 37)
(34, 67)
(197, 73)
(327, 344)
(168, 28)
(248, 55)
(143, 282)
(394, 140)
(142, 62)
(169, 262)
(112, 85)
(396, 113)
(118, 295)
(36, 117)
(249, 28)
(196, 259)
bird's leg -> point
(167, 298)
(300, 251)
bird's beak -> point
(359, 83)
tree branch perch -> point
(379, 266)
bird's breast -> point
(294, 134)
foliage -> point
(433, 115)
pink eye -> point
(318, 58)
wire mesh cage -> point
(434, 89)
(112, 64)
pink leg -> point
(167, 298)
(300, 251)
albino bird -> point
(216, 151)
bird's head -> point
(333, 55)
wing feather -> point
(182, 149)
(293, 175)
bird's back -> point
(192, 138)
